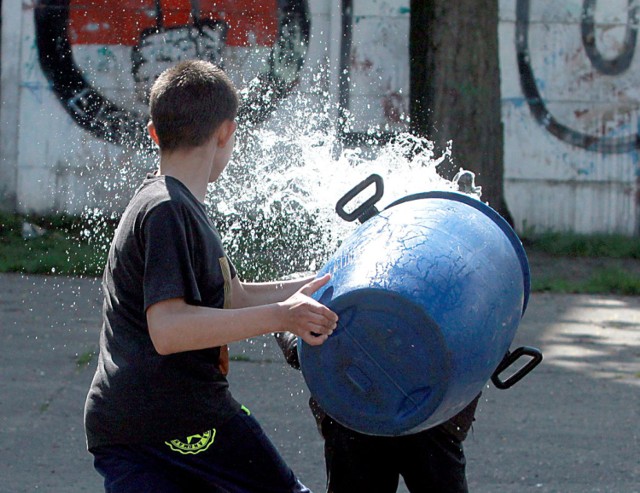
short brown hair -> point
(189, 101)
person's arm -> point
(175, 326)
(246, 294)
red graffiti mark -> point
(120, 22)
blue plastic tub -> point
(430, 293)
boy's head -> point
(188, 102)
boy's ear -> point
(152, 132)
(226, 131)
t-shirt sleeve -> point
(169, 256)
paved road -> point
(572, 426)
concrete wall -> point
(571, 95)
(74, 77)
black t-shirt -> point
(165, 247)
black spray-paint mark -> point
(620, 63)
(106, 120)
(602, 144)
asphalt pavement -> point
(571, 426)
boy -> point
(159, 416)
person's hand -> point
(307, 318)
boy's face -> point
(227, 139)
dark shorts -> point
(431, 461)
(236, 458)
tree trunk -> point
(455, 88)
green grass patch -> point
(78, 245)
(266, 246)
(606, 280)
(577, 245)
(84, 359)
(60, 244)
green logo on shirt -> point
(194, 443)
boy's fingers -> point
(321, 326)
(316, 284)
(320, 310)
(314, 340)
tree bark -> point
(455, 88)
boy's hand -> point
(307, 318)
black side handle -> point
(509, 359)
(367, 209)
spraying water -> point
(275, 203)
(280, 190)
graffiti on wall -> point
(270, 37)
(608, 66)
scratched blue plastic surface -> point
(430, 293)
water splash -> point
(275, 203)
(279, 193)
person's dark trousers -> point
(430, 461)
(236, 457)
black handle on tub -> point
(365, 210)
(509, 359)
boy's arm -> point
(245, 294)
(175, 326)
